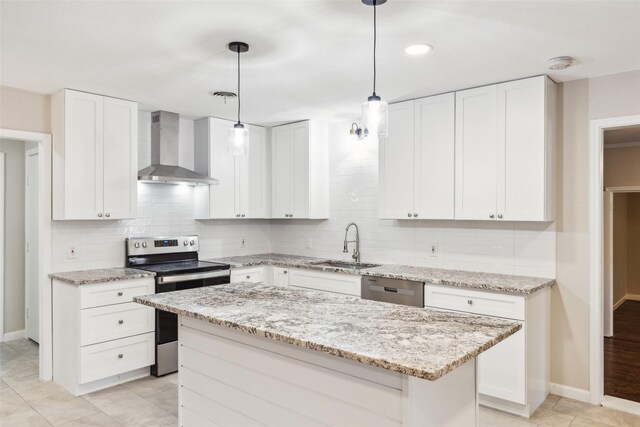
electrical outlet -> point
(309, 243)
(434, 250)
(243, 243)
(72, 252)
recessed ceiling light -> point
(418, 49)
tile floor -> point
(26, 401)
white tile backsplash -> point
(501, 247)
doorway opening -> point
(615, 344)
(25, 249)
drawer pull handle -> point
(120, 356)
(120, 293)
(470, 301)
(120, 322)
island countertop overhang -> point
(419, 342)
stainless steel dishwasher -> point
(396, 291)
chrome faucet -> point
(356, 252)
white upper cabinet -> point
(505, 161)
(244, 181)
(476, 153)
(300, 171)
(95, 161)
(416, 160)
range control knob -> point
(144, 244)
(136, 245)
(192, 243)
(185, 243)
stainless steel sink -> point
(346, 265)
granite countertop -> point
(105, 275)
(503, 283)
(421, 342)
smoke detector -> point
(560, 63)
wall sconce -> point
(358, 131)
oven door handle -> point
(194, 276)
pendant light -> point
(238, 134)
(375, 112)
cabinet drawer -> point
(477, 302)
(116, 357)
(329, 282)
(114, 293)
(252, 275)
(111, 322)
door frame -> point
(44, 247)
(28, 153)
(2, 246)
(596, 249)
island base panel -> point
(233, 378)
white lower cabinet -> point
(281, 276)
(514, 374)
(339, 283)
(100, 337)
(251, 274)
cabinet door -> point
(253, 178)
(282, 172)
(223, 197)
(521, 150)
(502, 369)
(476, 153)
(83, 155)
(280, 276)
(434, 157)
(120, 158)
(301, 196)
(396, 161)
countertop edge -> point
(116, 277)
(348, 355)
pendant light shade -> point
(238, 134)
(375, 112)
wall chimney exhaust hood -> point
(165, 155)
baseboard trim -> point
(621, 405)
(570, 392)
(632, 297)
(619, 303)
(15, 335)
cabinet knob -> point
(243, 215)
(248, 277)
(285, 272)
(120, 293)
(107, 215)
(99, 215)
(415, 215)
(120, 322)
(237, 215)
(409, 214)
(492, 216)
(470, 301)
(500, 216)
(120, 356)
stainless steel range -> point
(177, 267)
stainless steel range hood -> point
(165, 154)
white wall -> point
(14, 234)
(502, 247)
(162, 210)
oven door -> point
(167, 323)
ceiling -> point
(308, 58)
(623, 135)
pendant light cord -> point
(375, 40)
(238, 84)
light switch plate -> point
(72, 252)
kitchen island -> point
(253, 354)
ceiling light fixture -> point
(375, 112)
(560, 63)
(238, 134)
(418, 49)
